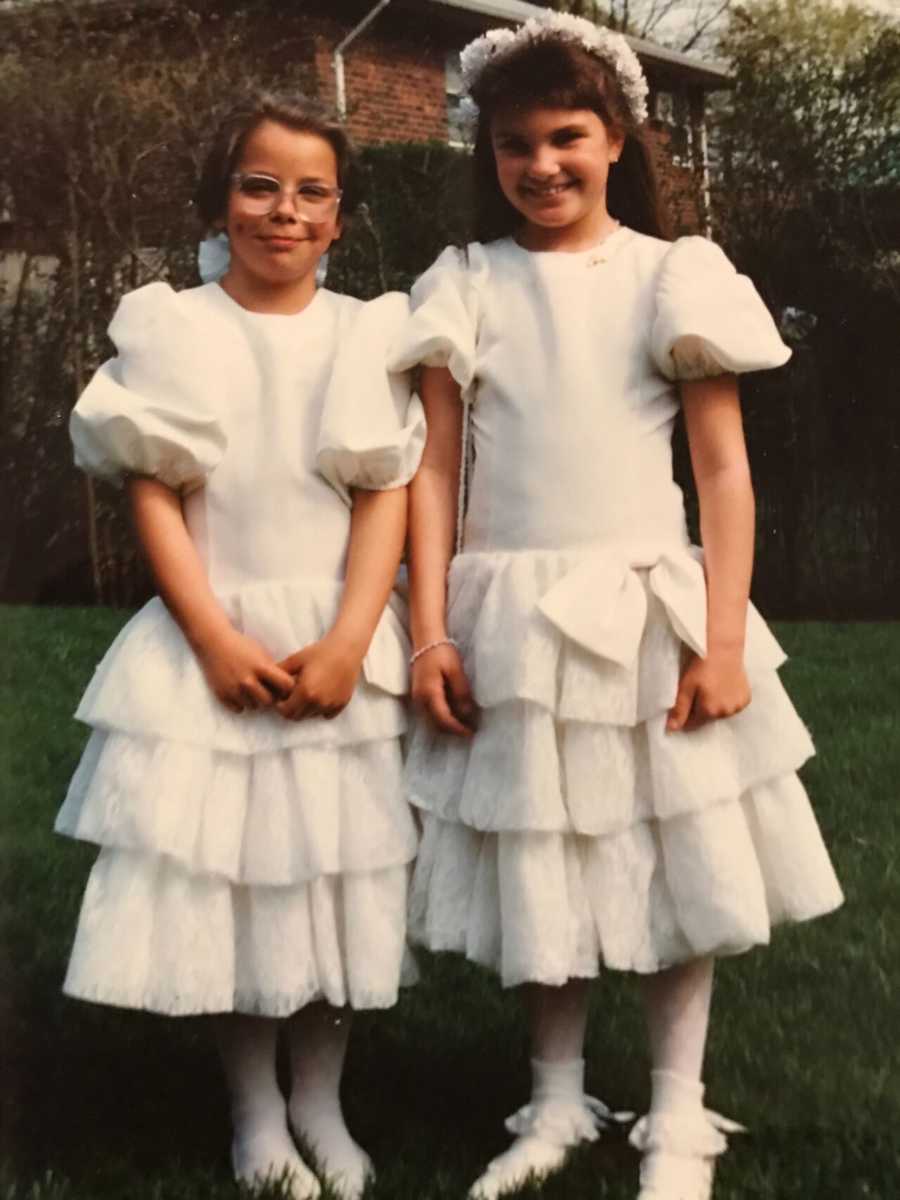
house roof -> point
(711, 73)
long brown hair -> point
(295, 112)
(549, 72)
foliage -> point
(105, 124)
(686, 25)
(107, 121)
(803, 1041)
(106, 110)
(417, 203)
(807, 195)
(815, 110)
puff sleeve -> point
(709, 319)
(143, 413)
(373, 428)
(442, 330)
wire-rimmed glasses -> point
(259, 195)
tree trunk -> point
(74, 240)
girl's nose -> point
(286, 206)
(543, 164)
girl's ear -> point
(616, 145)
(338, 230)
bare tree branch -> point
(702, 27)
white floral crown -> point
(610, 47)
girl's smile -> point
(552, 166)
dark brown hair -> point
(552, 73)
(295, 112)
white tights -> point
(318, 1037)
(262, 1145)
(677, 1003)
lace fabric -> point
(547, 907)
(573, 830)
(152, 935)
(276, 819)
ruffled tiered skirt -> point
(247, 863)
(572, 831)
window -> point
(671, 110)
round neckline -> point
(266, 316)
(604, 244)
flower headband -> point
(609, 47)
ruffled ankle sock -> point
(557, 1080)
(673, 1094)
(679, 1139)
(558, 1116)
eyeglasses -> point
(261, 194)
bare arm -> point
(239, 671)
(439, 684)
(434, 493)
(716, 686)
(328, 670)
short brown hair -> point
(550, 72)
(295, 112)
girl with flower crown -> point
(243, 776)
(605, 759)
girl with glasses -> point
(243, 774)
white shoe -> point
(546, 1131)
(266, 1158)
(680, 1152)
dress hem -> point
(438, 945)
(240, 1003)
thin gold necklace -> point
(598, 256)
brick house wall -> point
(395, 79)
(396, 90)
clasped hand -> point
(317, 681)
(324, 675)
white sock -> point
(672, 1093)
(318, 1039)
(262, 1147)
(532, 1155)
(557, 1080)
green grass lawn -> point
(101, 1103)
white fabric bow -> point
(601, 604)
(213, 257)
(565, 1122)
(702, 1135)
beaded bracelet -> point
(447, 641)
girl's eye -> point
(566, 136)
(313, 191)
(259, 185)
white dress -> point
(247, 862)
(572, 830)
